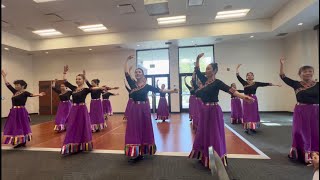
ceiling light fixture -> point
(171, 20)
(47, 32)
(47, 52)
(90, 49)
(195, 2)
(300, 24)
(43, 1)
(6, 49)
(232, 14)
(93, 28)
(251, 36)
(3, 6)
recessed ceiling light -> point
(3, 6)
(90, 49)
(43, 1)
(251, 36)
(47, 32)
(47, 52)
(195, 2)
(92, 28)
(300, 24)
(232, 14)
(6, 49)
(172, 20)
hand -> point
(130, 57)
(3, 73)
(65, 69)
(282, 61)
(84, 73)
(175, 90)
(200, 55)
(239, 66)
(42, 94)
(279, 85)
(248, 99)
(315, 160)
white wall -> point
(108, 67)
(18, 67)
(260, 57)
(301, 49)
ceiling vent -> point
(282, 34)
(52, 17)
(195, 2)
(126, 8)
(156, 7)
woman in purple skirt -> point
(163, 108)
(251, 117)
(17, 129)
(63, 108)
(236, 107)
(197, 104)
(210, 131)
(97, 118)
(139, 138)
(305, 128)
(192, 96)
(106, 104)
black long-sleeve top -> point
(18, 98)
(129, 90)
(63, 97)
(305, 93)
(78, 96)
(192, 89)
(106, 95)
(251, 88)
(210, 91)
(95, 93)
(140, 93)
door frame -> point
(181, 75)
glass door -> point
(185, 93)
(154, 98)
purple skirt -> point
(78, 136)
(196, 112)
(107, 108)
(96, 116)
(251, 117)
(236, 111)
(210, 132)
(17, 128)
(126, 113)
(305, 132)
(192, 100)
(62, 115)
(163, 109)
(139, 138)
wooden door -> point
(45, 101)
(55, 98)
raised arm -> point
(54, 88)
(243, 82)
(185, 82)
(67, 83)
(126, 69)
(202, 77)
(234, 92)
(4, 76)
(284, 78)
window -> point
(153, 62)
(188, 56)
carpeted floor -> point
(272, 140)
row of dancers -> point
(205, 112)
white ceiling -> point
(26, 15)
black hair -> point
(303, 68)
(97, 81)
(81, 75)
(214, 67)
(249, 73)
(141, 70)
(22, 83)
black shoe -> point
(20, 145)
(247, 132)
(252, 130)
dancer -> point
(17, 129)
(97, 118)
(251, 117)
(163, 109)
(305, 128)
(192, 96)
(79, 134)
(236, 107)
(107, 108)
(139, 138)
(197, 105)
(210, 131)
(64, 106)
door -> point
(45, 101)
(154, 98)
(185, 93)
